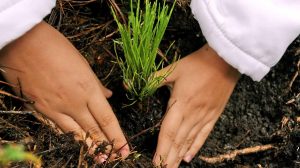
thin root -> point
(295, 75)
(231, 155)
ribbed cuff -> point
(21, 17)
(225, 48)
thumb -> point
(169, 73)
(107, 92)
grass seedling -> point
(16, 153)
(140, 40)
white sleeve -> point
(251, 35)
(19, 16)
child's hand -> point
(54, 75)
(201, 85)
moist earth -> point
(258, 113)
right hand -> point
(201, 84)
(54, 75)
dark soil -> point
(257, 113)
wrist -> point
(218, 64)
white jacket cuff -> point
(20, 17)
(250, 35)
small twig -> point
(9, 84)
(25, 140)
(231, 155)
(117, 10)
(293, 99)
(81, 157)
(17, 112)
(2, 103)
(80, 3)
(162, 55)
(21, 98)
(243, 139)
(16, 97)
(145, 130)
(51, 150)
(57, 162)
(108, 36)
(295, 75)
(109, 53)
(86, 31)
(110, 72)
(68, 161)
(284, 121)
(9, 125)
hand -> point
(201, 85)
(54, 75)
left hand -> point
(201, 85)
(51, 72)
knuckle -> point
(195, 103)
(160, 159)
(177, 145)
(78, 134)
(84, 86)
(178, 160)
(189, 141)
(107, 120)
(95, 133)
(119, 142)
(170, 135)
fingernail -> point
(104, 156)
(124, 152)
(188, 158)
(102, 160)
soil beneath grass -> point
(258, 113)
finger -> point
(167, 134)
(107, 92)
(169, 73)
(186, 145)
(95, 135)
(108, 123)
(90, 126)
(65, 124)
(189, 140)
(42, 118)
(173, 155)
(199, 141)
(68, 124)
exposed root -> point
(232, 155)
(293, 100)
(295, 75)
